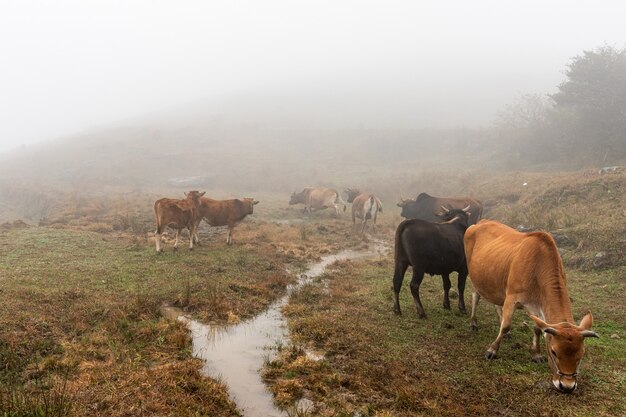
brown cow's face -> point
(249, 204)
(194, 195)
(565, 344)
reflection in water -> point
(236, 353)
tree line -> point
(582, 124)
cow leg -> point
(505, 326)
(461, 287)
(475, 300)
(157, 238)
(363, 226)
(499, 311)
(229, 237)
(416, 281)
(446, 290)
(535, 349)
(398, 277)
(196, 238)
(177, 238)
(192, 237)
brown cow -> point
(317, 198)
(516, 270)
(365, 206)
(224, 213)
(179, 214)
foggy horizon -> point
(77, 67)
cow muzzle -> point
(565, 383)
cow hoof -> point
(190, 249)
(446, 306)
(421, 315)
(539, 359)
(397, 312)
(462, 310)
(508, 336)
(490, 355)
(175, 248)
(474, 327)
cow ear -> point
(186, 194)
(586, 322)
(202, 193)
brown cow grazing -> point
(179, 214)
(318, 198)
(365, 206)
(224, 213)
(425, 206)
(516, 270)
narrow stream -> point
(236, 353)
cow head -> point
(296, 198)
(565, 344)
(249, 204)
(352, 193)
(447, 214)
(194, 196)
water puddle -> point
(236, 353)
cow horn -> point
(445, 209)
(551, 330)
(255, 202)
(466, 208)
(589, 333)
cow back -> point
(435, 248)
(224, 212)
(425, 207)
(501, 259)
(322, 197)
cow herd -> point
(189, 212)
(508, 268)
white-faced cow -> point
(425, 206)
(224, 213)
(431, 248)
(516, 270)
(318, 199)
(178, 214)
(365, 206)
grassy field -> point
(382, 365)
(81, 332)
(80, 328)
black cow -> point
(425, 207)
(431, 248)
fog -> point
(71, 66)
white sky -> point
(66, 66)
